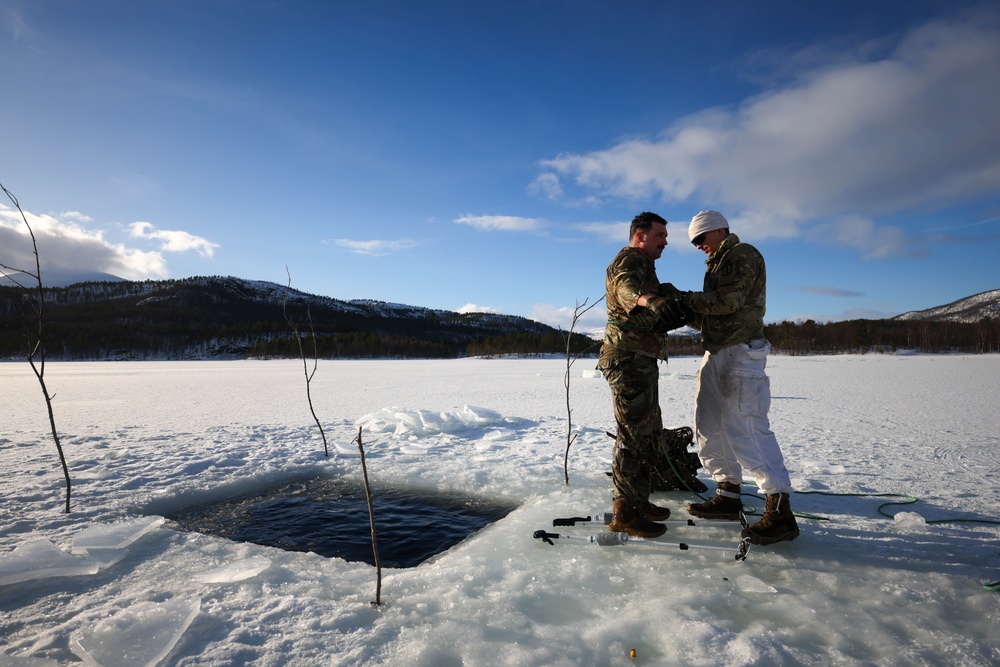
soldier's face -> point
(709, 242)
(651, 243)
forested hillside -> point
(221, 317)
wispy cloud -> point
(841, 144)
(823, 290)
(506, 223)
(375, 247)
(616, 232)
(172, 240)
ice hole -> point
(330, 517)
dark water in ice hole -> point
(331, 518)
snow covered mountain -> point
(971, 309)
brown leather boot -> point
(778, 523)
(726, 504)
(628, 519)
(655, 512)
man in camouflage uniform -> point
(635, 338)
(733, 393)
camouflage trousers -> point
(634, 381)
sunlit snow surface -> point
(110, 584)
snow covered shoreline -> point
(145, 437)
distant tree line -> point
(532, 344)
(863, 336)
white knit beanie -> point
(706, 221)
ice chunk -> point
(348, 450)
(105, 558)
(749, 584)
(237, 571)
(17, 661)
(500, 434)
(910, 521)
(139, 636)
(474, 416)
(592, 373)
(114, 536)
(39, 559)
(433, 422)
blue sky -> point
(462, 154)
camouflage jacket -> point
(730, 310)
(630, 326)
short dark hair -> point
(644, 221)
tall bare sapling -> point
(571, 357)
(371, 518)
(302, 353)
(30, 309)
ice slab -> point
(17, 661)
(114, 536)
(237, 571)
(140, 636)
(39, 559)
(347, 450)
(910, 522)
(749, 584)
(415, 423)
(105, 558)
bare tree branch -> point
(30, 312)
(302, 353)
(371, 518)
(578, 312)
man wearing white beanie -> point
(733, 393)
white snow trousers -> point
(732, 398)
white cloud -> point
(172, 241)
(375, 247)
(65, 246)
(850, 140)
(546, 186)
(507, 223)
(590, 322)
(615, 232)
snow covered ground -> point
(111, 584)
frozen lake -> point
(109, 584)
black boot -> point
(725, 505)
(628, 519)
(778, 523)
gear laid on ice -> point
(676, 468)
(620, 539)
(604, 518)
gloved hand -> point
(668, 291)
(671, 313)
